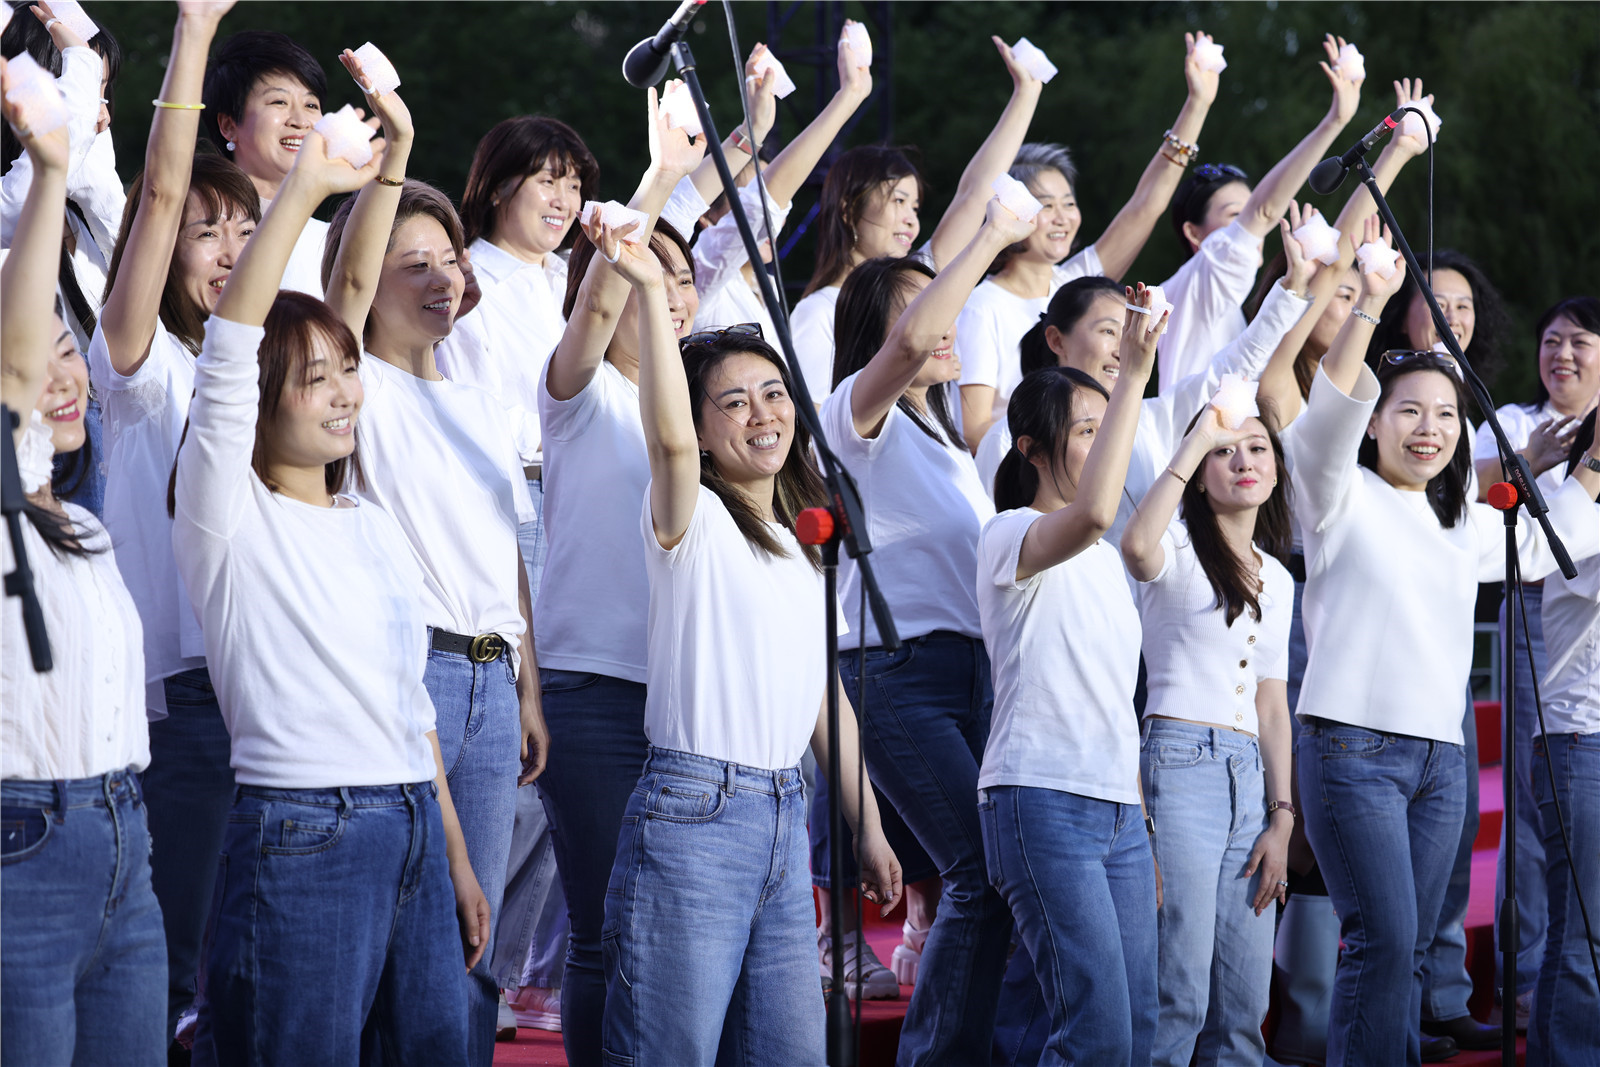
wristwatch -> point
(1590, 462)
(742, 142)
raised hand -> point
(48, 151)
(671, 151)
(209, 10)
(763, 95)
(1551, 441)
(1002, 221)
(326, 177)
(1374, 284)
(61, 35)
(1139, 335)
(1346, 93)
(389, 108)
(855, 80)
(1021, 80)
(1300, 269)
(632, 259)
(1407, 91)
(1202, 83)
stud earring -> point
(232, 146)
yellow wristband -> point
(178, 107)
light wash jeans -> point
(1528, 838)
(709, 936)
(1383, 813)
(83, 970)
(1565, 1029)
(1206, 790)
(480, 740)
(1080, 879)
(335, 937)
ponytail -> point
(1040, 410)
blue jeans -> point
(711, 962)
(1446, 985)
(1565, 1029)
(597, 724)
(925, 726)
(1079, 877)
(188, 790)
(480, 739)
(1528, 836)
(532, 541)
(530, 940)
(335, 937)
(82, 958)
(1206, 790)
(1383, 813)
(915, 863)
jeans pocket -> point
(23, 833)
(554, 680)
(677, 802)
(1348, 742)
(1171, 754)
(611, 958)
(882, 663)
(303, 837)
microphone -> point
(1329, 174)
(646, 62)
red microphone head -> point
(814, 526)
(1502, 496)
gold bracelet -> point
(1178, 476)
(393, 183)
(178, 107)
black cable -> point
(755, 161)
(861, 779)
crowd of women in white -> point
(408, 509)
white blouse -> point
(1571, 615)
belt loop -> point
(729, 776)
(344, 802)
(61, 801)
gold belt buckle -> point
(486, 648)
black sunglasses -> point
(1412, 359)
(740, 329)
(1210, 172)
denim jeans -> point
(335, 938)
(82, 954)
(480, 739)
(532, 541)
(598, 722)
(926, 721)
(711, 962)
(915, 863)
(1528, 838)
(1080, 880)
(1206, 790)
(1446, 985)
(1565, 1029)
(188, 790)
(1383, 813)
(530, 940)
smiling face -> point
(682, 299)
(746, 419)
(277, 113)
(1569, 365)
(888, 225)
(315, 423)
(1241, 476)
(1058, 223)
(207, 250)
(537, 216)
(942, 365)
(1454, 293)
(1094, 342)
(1417, 428)
(420, 288)
(66, 392)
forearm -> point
(170, 150)
(1276, 741)
(861, 817)
(993, 157)
(1344, 359)
(784, 176)
(353, 282)
(1361, 206)
(1125, 237)
(253, 285)
(27, 289)
(1271, 198)
(455, 845)
(1141, 540)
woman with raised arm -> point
(82, 965)
(1221, 221)
(440, 458)
(869, 206)
(1393, 549)
(1026, 276)
(713, 961)
(1215, 598)
(1058, 793)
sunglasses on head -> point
(1411, 359)
(1210, 172)
(739, 329)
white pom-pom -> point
(860, 43)
(1351, 63)
(1235, 400)
(1033, 60)
(1318, 240)
(1209, 55)
(782, 84)
(614, 215)
(381, 75)
(1377, 258)
(677, 107)
(347, 136)
(78, 21)
(1411, 125)
(37, 98)
(1159, 304)
(1015, 198)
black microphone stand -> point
(19, 583)
(1520, 475)
(849, 529)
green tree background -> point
(1517, 84)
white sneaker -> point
(908, 954)
(865, 978)
(537, 1008)
(505, 1023)
(1524, 1010)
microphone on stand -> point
(646, 62)
(1329, 174)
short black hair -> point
(241, 60)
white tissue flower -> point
(37, 97)
(78, 21)
(1351, 63)
(1209, 55)
(347, 136)
(381, 75)
(677, 107)
(1159, 304)
(1377, 258)
(782, 84)
(1235, 400)
(1015, 197)
(1411, 126)
(1318, 240)
(1033, 59)
(614, 215)
(860, 43)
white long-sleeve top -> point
(1571, 686)
(313, 615)
(1389, 590)
(726, 299)
(1206, 295)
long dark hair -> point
(1070, 304)
(1447, 491)
(1584, 311)
(662, 238)
(853, 179)
(1040, 409)
(1581, 442)
(1229, 575)
(798, 485)
(861, 324)
(1490, 324)
(512, 152)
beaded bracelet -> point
(1363, 316)
(1186, 150)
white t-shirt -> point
(144, 415)
(594, 596)
(1206, 294)
(1389, 591)
(1519, 423)
(811, 326)
(303, 273)
(1571, 684)
(1201, 668)
(991, 326)
(440, 458)
(1064, 654)
(924, 507)
(501, 346)
(737, 651)
(726, 299)
(313, 615)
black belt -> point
(485, 648)
(1297, 567)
